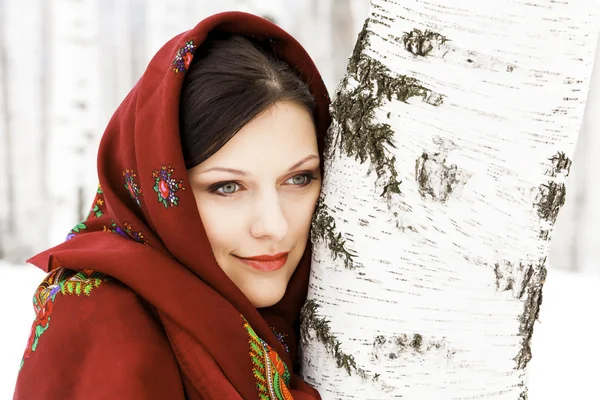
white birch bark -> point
(431, 291)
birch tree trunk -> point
(446, 165)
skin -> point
(266, 207)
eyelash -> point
(215, 188)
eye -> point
(301, 179)
(227, 188)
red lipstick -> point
(266, 263)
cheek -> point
(219, 225)
(300, 213)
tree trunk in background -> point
(7, 191)
(342, 35)
(45, 85)
(23, 117)
(446, 165)
(575, 245)
(75, 107)
(166, 19)
(588, 212)
(564, 252)
(137, 28)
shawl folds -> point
(144, 232)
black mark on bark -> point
(436, 179)
(513, 277)
(524, 393)
(552, 194)
(532, 294)
(396, 346)
(560, 164)
(420, 43)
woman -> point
(187, 278)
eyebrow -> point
(244, 173)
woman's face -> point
(256, 197)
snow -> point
(566, 350)
(15, 300)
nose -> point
(269, 220)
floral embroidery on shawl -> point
(77, 229)
(137, 236)
(65, 282)
(271, 373)
(281, 338)
(184, 57)
(166, 186)
(134, 189)
(126, 232)
(96, 210)
(114, 228)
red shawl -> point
(145, 230)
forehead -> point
(280, 135)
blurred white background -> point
(65, 65)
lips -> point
(266, 263)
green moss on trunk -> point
(311, 322)
(324, 229)
(356, 131)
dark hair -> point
(231, 80)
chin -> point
(268, 294)
(264, 300)
(266, 290)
